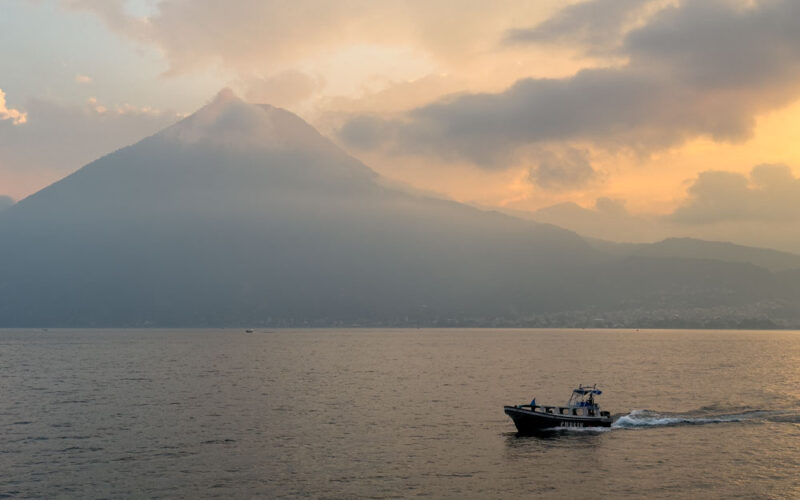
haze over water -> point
(394, 413)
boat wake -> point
(638, 419)
(644, 419)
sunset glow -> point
(517, 106)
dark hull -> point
(528, 421)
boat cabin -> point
(581, 404)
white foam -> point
(645, 418)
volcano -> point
(243, 214)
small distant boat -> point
(581, 411)
(249, 331)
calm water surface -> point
(394, 413)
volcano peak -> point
(226, 95)
(229, 121)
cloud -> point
(367, 131)
(282, 89)
(597, 25)
(115, 14)
(73, 135)
(770, 193)
(262, 34)
(96, 106)
(607, 219)
(83, 79)
(568, 169)
(16, 116)
(611, 206)
(397, 96)
(761, 209)
(700, 69)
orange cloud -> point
(652, 91)
(16, 116)
(265, 33)
(282, 89)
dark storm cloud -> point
(770, 193)
(597, 25)
(366, 131)
(702, 69)
(716, 44)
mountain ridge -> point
(694, 248)
(243, 214)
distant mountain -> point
(243, 214)
(690, 248)
(608, 220)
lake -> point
(365, 413)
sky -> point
(630, 120)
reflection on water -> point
(381, 413)
(547, 439)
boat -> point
(581, 411)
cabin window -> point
(577, 411)
(563, 411)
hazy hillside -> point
(243, 214)
(691, 248)
(5, 202)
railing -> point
(564, 410)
